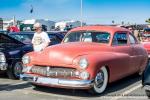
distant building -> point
(9, 22)
(28, 24)
(67, 25)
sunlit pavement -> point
(126, 89)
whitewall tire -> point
(100, 81)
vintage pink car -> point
(89, 58)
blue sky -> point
(94, 11)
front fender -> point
(114, 62)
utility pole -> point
(81, 12)
(14, 21)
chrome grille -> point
(53, 71)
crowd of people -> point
(137, 32)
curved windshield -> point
(98, 37)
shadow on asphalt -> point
(116, 86)
(11, 87)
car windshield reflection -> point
(24, 38)
(98, 37)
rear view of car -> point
(147, 31)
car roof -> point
(22, 32)
(32, 32)
(102, 28)
(147, 29)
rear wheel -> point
(100, 82)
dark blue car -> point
(14, 45)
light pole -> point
(81, 12)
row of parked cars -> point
(14, 45)
(88, 57)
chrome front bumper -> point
(3, 66)
(56, 82)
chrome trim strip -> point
(57, 82)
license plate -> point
(47, 80)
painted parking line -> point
(126, 94)
(31, 91)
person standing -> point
(40, 39)
(136, 34)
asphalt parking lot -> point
(126, 89)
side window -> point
(73, 37)
(120, 39)
(132, 39)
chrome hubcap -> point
(17, 69)
(99, 80)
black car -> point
(146, 80)
(3, 31)
(26, 37)
(14, 45)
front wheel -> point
(147, 93)
(15, 70)
(100, 82)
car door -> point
(124, 51)
(136, 58)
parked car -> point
(26, 37)
(145, 40)
(13, 46)
(147, 31)
(146, 80)
(89, 58)
(3, 31)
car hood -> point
(9, 47)
(65, 53)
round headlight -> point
(2, 57)
(84, 75)
(26, 59)
(83, 63)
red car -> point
(89, 58)
(146, 43)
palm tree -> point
(148, 20)
(113, 22)
(122, 22)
